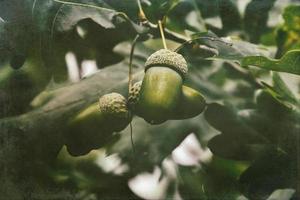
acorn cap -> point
(168, 58)
(113, 105)
(133, 96)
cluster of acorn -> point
(159, 97)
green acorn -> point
(94, 126)
(191, 103)
(161, 87)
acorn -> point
(191, 103)
(113, 106)
(94, 126)
(160, 92)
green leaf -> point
(290, 62)
(283, 90)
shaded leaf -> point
(256, 17)
(85, 177)
(237, 146)
(271, 171)
(269, 103)
(222, 48)
(16, 30)
(70, 13)
(228, 122)
(158, 9)
(283, 90)
(231, 19)
(221, 117)
(38, 22)
(214, 180)
(152, 144)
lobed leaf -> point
(290, 62)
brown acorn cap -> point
(168, 58)
(113, 105)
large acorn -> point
(191, 103)
(94, 126)
(161, 87)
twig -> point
(142, 16)
(130, 62)
(131, 138)
(154, 30)
(161, 29)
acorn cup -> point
(191, 103)
(94, 126)
(161, 87)
(113, 106)
(134, 96)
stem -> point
(201, 37)
(142, 15)
(131, 138)
(161, 29)
(130, 62)
(130, 83)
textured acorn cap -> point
(165, 57)
(134, 96)
(113, 105)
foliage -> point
(246, 142)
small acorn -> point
(191, 103)
(94, 126)
(114, 108)
(161, 87)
